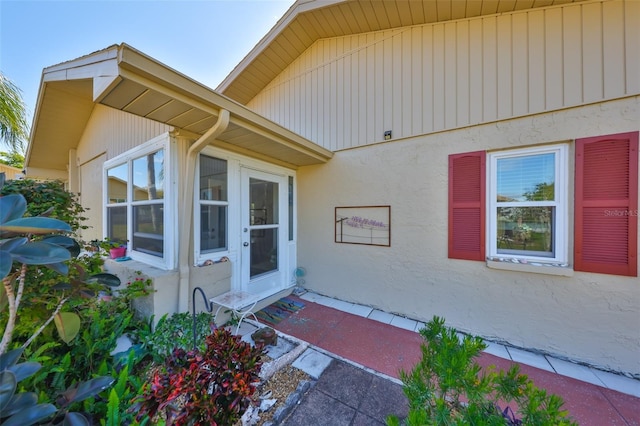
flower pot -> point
(117, 252)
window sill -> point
(534, 267)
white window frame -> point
(232, 203)
(163, 142)
(216, 254)
(561, 227)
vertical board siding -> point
(117, 131)
(632, 50)
(347, 91)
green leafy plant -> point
(176, 331)
(48, 198)
(22, 408)
(212, 387)
(30, 241)
(447, 387)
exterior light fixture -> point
(387, 135)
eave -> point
(124, 78)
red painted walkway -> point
(387, 349)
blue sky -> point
(203, 39)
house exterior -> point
(11, 172)
(472, 160)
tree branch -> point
(42, 327)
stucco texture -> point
(590, 318)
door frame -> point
(273, 281)
(287, 254)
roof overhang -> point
(124, 78)
(307, 21)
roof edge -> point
(299, 7)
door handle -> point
(246, 244)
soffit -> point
(310, 20)
(125, 79)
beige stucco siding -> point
(346, 91)
(591, 318)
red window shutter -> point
(606, 205)
(467, 189)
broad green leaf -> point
(105, 278)
(8, 384)
(10, 358)
(25, 369)
(40, 253)
(20, 402)
(35, 225)
(68, 325)
(64, 241)
(61, 286)
(12, 207)
(91, 388)
(11, 244)
(75, 419)
(33, 415)
(61, 268)
(5, 263)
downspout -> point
(186, 206)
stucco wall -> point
(213, 280)
(164, 297)
(591, 318)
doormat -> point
(279, 310)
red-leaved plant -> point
(210, 388)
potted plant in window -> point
(114, 248)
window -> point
(214, 204)
(527, 219)
(291, 192)
(136, 201)
(527, 204)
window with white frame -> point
(136, 197)
(527, 204)
(214, 204)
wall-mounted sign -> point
(370, 225)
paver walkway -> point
(386, 349)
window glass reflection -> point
(264, 251)
(213, 179)
(117, 224)
(526, 178)
(213, 228)
(117, 179)
(263, 197)
(148, 229)
(526, 230)
(148, 177)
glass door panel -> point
(263, 221)
(261, 234)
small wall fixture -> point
(387, 135)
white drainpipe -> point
(186, 210)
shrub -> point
(176, 331)
(447, 387)
(212, 387)
(48, 198)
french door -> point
(263, 231)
